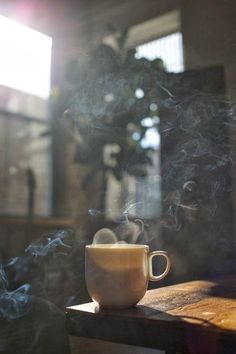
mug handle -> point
(164, 254)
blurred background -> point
(112, 111)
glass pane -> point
(168, 48)
(24, 162)
(25, 60)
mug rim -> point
(115, 246)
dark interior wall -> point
(209, 33)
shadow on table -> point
(224, 287)
(149, 327)
(187, 334)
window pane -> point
(168, 48)
(23, 146)
(25, 59)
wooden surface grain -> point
(184, 317)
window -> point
(25, 58)
(168, 48)
(159, 37)
(25, 144)
(147, 192)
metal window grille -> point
(168, 48)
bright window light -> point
(168, 48)
(25, 60)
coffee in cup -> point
(117, 275)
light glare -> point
(139, 93)
(151, 139)
(25, 60)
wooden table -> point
(194, 317)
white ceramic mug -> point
(117, 275)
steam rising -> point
(197, 166)
(104, 236)
(49, 244)
(127, 232)
(196, 185)
(15, 303)
(3, 279)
